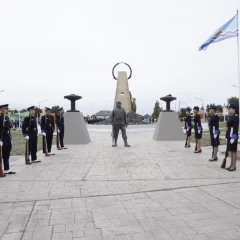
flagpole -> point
(238, 57)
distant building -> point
(103, 114)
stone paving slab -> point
(153, 190)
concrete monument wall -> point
(122, 91)
(75, 129)
(168, 128)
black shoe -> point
(127, 145)
(213, 160)
(64, 148)
(11, 172)
(232, 170)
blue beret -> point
(196, 108)
(212, 106)
(232, 105)
(188, 109)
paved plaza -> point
(153, 190)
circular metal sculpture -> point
(168, 99)
(73, 98)
(130, 75)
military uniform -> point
(232, 133)
(213, 124)
(60, 127)
(119, 122)
(29, 129)
(6, 139)
(47, 127)
(198, 130)
(188, 127)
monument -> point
(75, 127)
(168, 126)
(122, 90)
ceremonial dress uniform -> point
(60, 127)
(47, 129)
(188, 127)
(5, 139)
(30, 133)
(197, 129)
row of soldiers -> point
(213, 123)
(30, 133)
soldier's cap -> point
(212, 106)
(47, 109)
(61, 108)
(4, 106)
(188, 109)
(196, 108)
(232, 105)
(30, 108)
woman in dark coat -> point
(214, 131)
(197, 129)
(232, 136)
(188, 127)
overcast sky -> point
(52, 48)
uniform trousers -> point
(33, 148)
(49, 137)
(116, 129)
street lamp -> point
(39, 109)
(201, 100)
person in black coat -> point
(5, 138)
(47, 129)
(197, 129)
(30, 133)
(232, 136)
(213, 124)
(188, 127)
(60, 126)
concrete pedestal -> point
(168, 128)
(75, 129)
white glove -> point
(1, 143)
(27, 137)
(215, 135)
(199, 131)
(58, 131)
(44, 134)
(232, 141)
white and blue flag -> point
(228, 30)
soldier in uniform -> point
(47, 129)
(119, 122)
(5, 138)
(232, 136)
(188, 127)
(214, 131)
(60, 126)
(30, 133)
(197, 129)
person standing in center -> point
(197, 129)
(188, 127)
(30, 133)
(214, 131)
(60, 126)
(119, 122)
(47, 129)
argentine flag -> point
(228, 30)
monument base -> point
(168, 128)
(75, 129)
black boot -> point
(114, 143)
(126, 144)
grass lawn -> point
(206, 136)
(18, 147)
